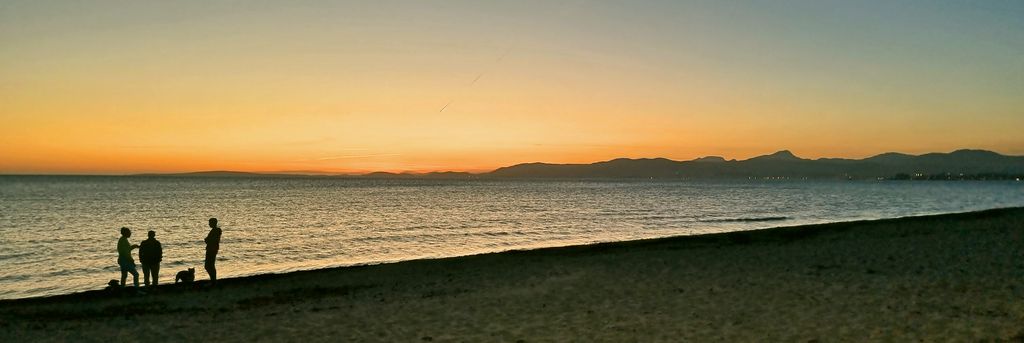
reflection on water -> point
(58, 234)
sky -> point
(97, 87)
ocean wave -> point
(16, 255)
(438, 236)
(12, 278)
(745, 219)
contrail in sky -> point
(480, 75)
(495, 64)
(561, 12)
(329, 158)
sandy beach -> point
(956, 277)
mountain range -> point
(784, 165)
(960, 164)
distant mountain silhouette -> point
(710, 159)
(960, 164)
(782, 164)
(784, 155)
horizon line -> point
(455, 170)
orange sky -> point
(355, 87)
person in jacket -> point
(150, 254)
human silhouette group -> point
(151, 253)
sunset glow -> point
(357, 86)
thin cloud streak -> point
(331, 158)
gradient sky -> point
(349, 86)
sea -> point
(58, 234)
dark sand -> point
(953, 277)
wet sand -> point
(957, 277)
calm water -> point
(59, 234)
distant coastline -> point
(957, 165)
(981, 165)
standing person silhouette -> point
(150, 254)
(212, 246)
(124, 257)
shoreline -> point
(684, 284)
(100, 292)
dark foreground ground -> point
(953, 277)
